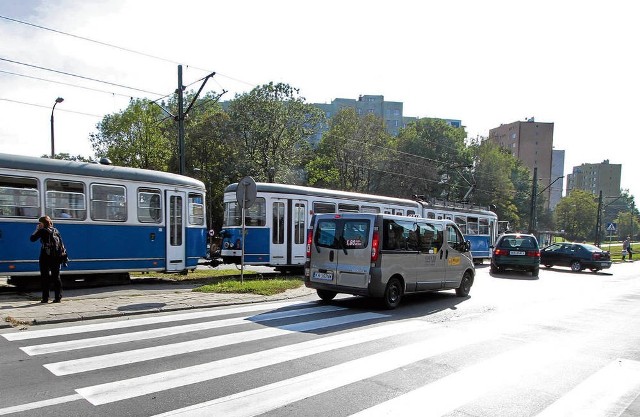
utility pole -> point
(599, 220)
(180, 119)
(534, 195)
(182, 114)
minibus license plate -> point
(517, 252)
(327, 276)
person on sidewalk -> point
(625, 249)
(50, 249)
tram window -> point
(278, 223)
(19, 197)
(431, 215)
(108, 202)
(256, 215)
(231, 214)
(483, 228)
(461, 221)
(196, 209)
(175, 221)
(369, 209)
(149, 205)
(299, 221)
(472, 225)
(323, 207)
(65, 200)
(348, 208)
(411, 213)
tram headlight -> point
(226, 245)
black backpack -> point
(54, 246)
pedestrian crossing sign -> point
(611, 227)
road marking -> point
(451, 392)
(96, 327)
(140, 355)
(272, 396)
(147, 384)
(608, 392)
(43, 349)
(39, 404)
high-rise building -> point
(532, 143)
(594, 178)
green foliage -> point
(576, 214)
(260, 287)
(271, 125)
(429, 161)
(351, 155)
(134, 137)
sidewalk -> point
(145, 295)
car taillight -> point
(309, 240)
(500, 252)
(533, 253)
(375, 246)
(596, 256)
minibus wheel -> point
(326, 295)
(392, 294)
(465, 285)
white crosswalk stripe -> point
(168, 331)
(607, 389)
(163, 351)
(123, 324)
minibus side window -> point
(430, 240)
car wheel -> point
(548, 265)
(576, 266)
(493, 269)
(392, 294)
(535, 272)
(326, 295)
(465, 285)
(595, 269)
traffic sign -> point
(611, 227)
(246, 192)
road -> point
(565, 344)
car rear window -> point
(522, 242)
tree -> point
(134, 137)
(576, 214)
(351, 154)
(271, 124)
(430, 159)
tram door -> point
(176, 203)
(288, 232)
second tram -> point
(276, 223)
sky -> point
(574, 64)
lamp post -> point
(58, 100)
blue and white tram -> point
(276, 223)
(112, 219)
(479, 225)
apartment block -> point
(594, 178)
(532, 143)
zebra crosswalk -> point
(283, 358)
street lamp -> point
(58, 100)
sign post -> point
(611, 227)
(245, 196)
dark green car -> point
(516, 251)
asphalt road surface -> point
(565, 344)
